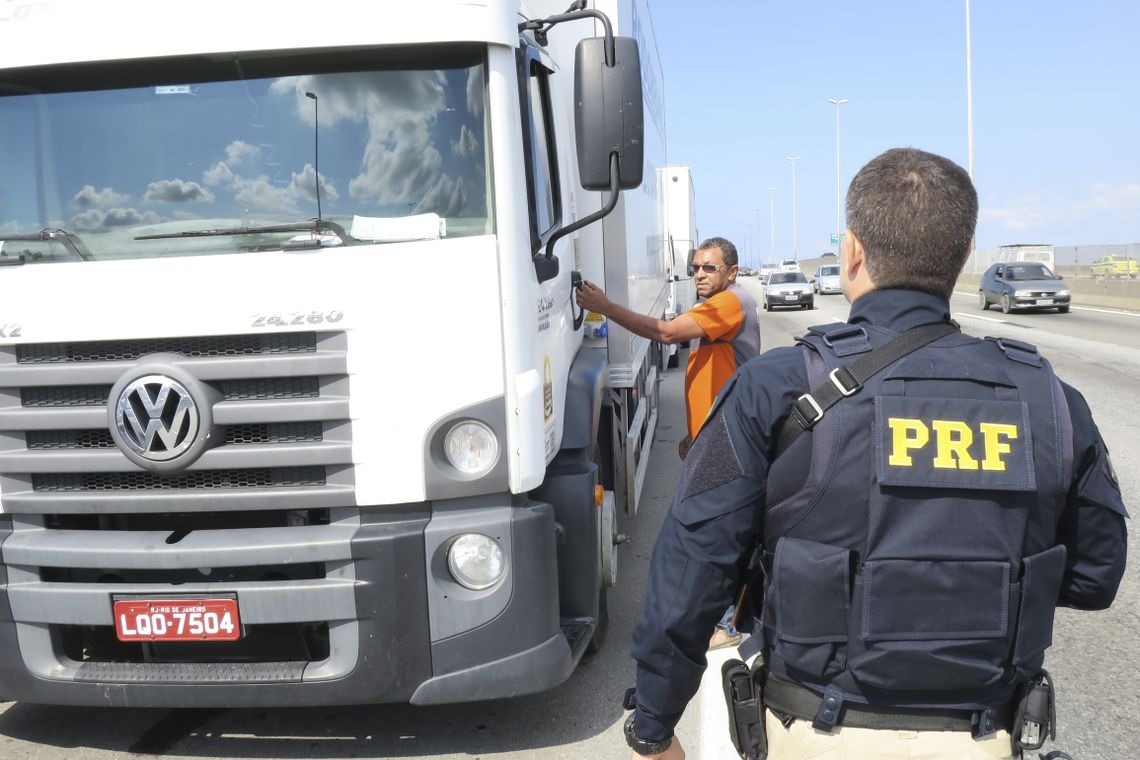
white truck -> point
(681, 231)
(296, 407)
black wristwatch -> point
(641, 746)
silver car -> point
(788, 289)
(826, 280)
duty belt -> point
(803, 703)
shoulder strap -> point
(809, 408)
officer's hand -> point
(591, 297)
(675, 752)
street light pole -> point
(795, 250)
(838, 187)
(969, 96)
(756, 263)
(772, 206)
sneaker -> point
(722, 638)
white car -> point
(789, 265)
(788, 289)
(826, 279)
(767, 269)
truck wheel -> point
(983, 302)
(1005, 303)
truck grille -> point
(281, 415)
(267, 514)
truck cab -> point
(295, 404)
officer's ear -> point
(853, 266)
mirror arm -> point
(542, 26)
(604, 211)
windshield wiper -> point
(72, 243)
(313, 225)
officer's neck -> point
(899, 308)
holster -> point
(1035, 716)
(743, 692)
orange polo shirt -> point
(711, 363)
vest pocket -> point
(931, 625)
(813, 582)
(1041, 585)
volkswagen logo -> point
(157, 418)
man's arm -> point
(683, 328)
(694, 571)
(1092, 523)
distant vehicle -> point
(788, 289)
(827, 254)
(826, 279)
(1022, 285)
(1115, 265)
(789, 265)
(768, 268)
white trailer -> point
(295, 406)
(681, 232)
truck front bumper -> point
(395, 631)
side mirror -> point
(609, 117)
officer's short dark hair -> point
(915, 213)
(726, 248)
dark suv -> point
(1022, 285)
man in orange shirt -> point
(724, 328)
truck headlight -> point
(476, 561)
(471, 447)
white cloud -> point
(475, 91)
(1040, 213)
(399, 164)
(93, 220)
(177, 191)
(219, 174)
(304, 185)
(447, 197)
(261, 195)
(1104, 196)
(89, 197)
(467, 143)
(239, 151)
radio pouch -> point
(743, 692)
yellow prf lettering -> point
(907, 434)
(995, 447)
(953, 439)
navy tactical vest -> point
(917, 565)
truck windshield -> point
(139, 160)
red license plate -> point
(177, 619)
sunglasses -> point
(706, 268)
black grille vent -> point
(66, 395)
(299, 432)
(121, 350)
(270, 388)
(69, 439)
(284, 477)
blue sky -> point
(1056, 88)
